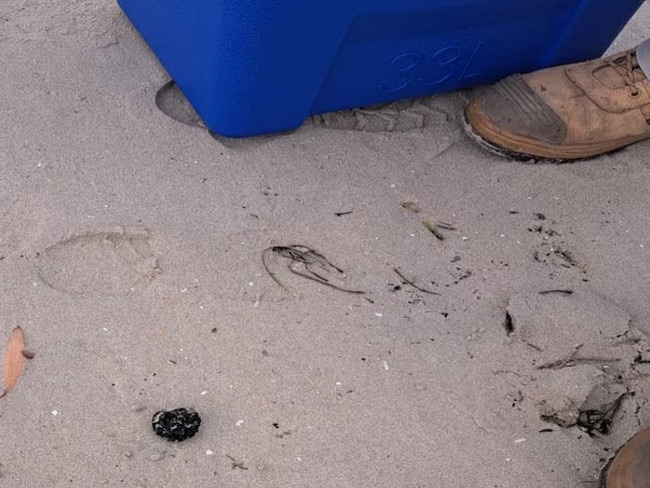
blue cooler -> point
(258, 66)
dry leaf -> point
(13, 360)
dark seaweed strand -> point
(299, 254)
(409, 282)
(268, 270)
(318, 279)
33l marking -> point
(431, 69)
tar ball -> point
(176, 425)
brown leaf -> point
(13, 360)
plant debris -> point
(573, 360)
(14, 360)
(434, 228)
(236, 464)
(445, 225)
(411, 207)
(28, 354)
(509, 324)
(307, 263)
(597, 412)
(176, 425)
(640, 360)
(600, 419)
(561, 419)
(406, 281)
(563, 292)
(341, 214)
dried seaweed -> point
(509, 324)
(573, 359)
(406, 281)
(445, 225)
(412, 207)
(236, 464)
(434, 228)
(600, 419)
(431, 227)
(561, 291)
(307, 263)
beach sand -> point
(131, 254)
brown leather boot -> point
(630, 467)
(565, 113)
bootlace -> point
(626, 65)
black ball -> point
(176, 425)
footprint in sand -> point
(399, 116)
(95, 262)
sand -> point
(131, 255)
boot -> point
(564, 113)
(630, 467)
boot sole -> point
(628, 467)
(535, 154)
